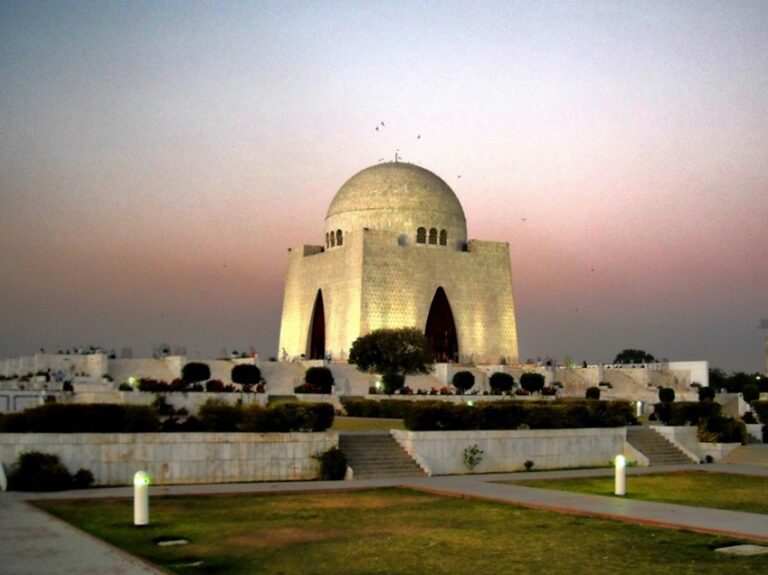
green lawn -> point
(391, 531)
(341, 423)
(699, 488)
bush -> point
(389, 408)
(246, 374)
(37, 471)
(218, 416)
(502, 382)
(532, 382)
(760, 408)
(288, 417)
(719, 429)
(686, 412)
(463, 380)
(319, 378)
(666, 394)
(333, 464)
(593, 392)
(82, 479)
(194, 372)
(706, 394)
(82, 418)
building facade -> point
(396, 254)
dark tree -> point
(706, 393)
(532, 382)
(463, 380)
(320, 379)
(593, 392)
(502, 382)
(392, 382)
(392, 351)
(194, 372)
(751, 392)
(634, 356)
(246, 374)
(666, 394)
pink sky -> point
(158, 159)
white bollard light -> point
(141, 481)
(621, 475)
(639, 408)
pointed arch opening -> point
(441, 329)
(316, 347)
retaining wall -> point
(442, 452)
(172, 458)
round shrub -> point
(195, 371)
(593, 392)
(319, 379)
(502, 382)
(666, 394)
(463, 380)
(246, 374)
(706, 394)
(532, 382)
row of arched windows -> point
(333, 239)
(421, 236)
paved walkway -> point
(33, 543)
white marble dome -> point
(398, 197)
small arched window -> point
(339, 238)
(432, 236)
(333, 239)
(443, 238)
(421, 236)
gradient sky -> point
(157, 159)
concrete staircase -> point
(377, 456)
(658, 449)
(753, 454)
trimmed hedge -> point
(686, 412)
(213, 416)
(389, 408)
(718, 429)
(82, 418)
(444, 416)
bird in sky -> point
(418, 137)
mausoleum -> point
(396, 254)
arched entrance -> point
(316, 347)
(441, 329)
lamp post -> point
(141, 481)
(621, 475)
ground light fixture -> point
(141, 481)
(621, 475)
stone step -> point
(377, 456)
(658, 449)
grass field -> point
(391, 531)
(699, 488)
(341, 423)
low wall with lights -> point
(442, 452)
(173, 458)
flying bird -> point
(418, 137)
(382, 122)
(377, 128)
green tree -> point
(634, 356)
(502, 382)
(246, 374)
(532, 382)
(392, 351)
(194, 372)
(463, 380)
